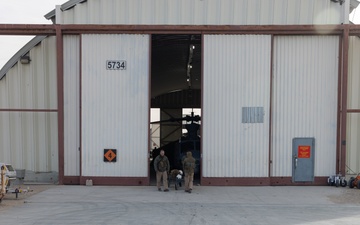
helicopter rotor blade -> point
(168, 120)
(192, 118)
(187, 118)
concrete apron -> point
(205, 205)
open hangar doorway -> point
(175, 99)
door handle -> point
(296, 161)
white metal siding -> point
(354, 73)
(209, 12)
(115, 105)
(236, 75)
(352, 144)
(29, 139)
(305, 100)
(353, 122)
(71, 105)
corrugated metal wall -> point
(353, 122)
(115, 105)
(71, 105)
(353, 144)
(28, 140)
(305, 100)
(214, 12)
(236, 75)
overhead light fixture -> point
(25, 59)
(338, 1)
(189, 64)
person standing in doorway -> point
(162, 168)
(189, 167)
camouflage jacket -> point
(189, 163)
(161, 164)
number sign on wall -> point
(115, 64)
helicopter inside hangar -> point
(175, 87)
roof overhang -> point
(353, 5)
(67, 5)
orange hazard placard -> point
(304, 152)
(109, 155)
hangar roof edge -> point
(67, 5)
(71, 3)
(23, 51)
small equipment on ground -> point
(354, 181)
(337, 180)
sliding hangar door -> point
(260, 95)
(107, 107)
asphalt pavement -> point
(65, 204)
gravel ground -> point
(347, 196)
(10, 199)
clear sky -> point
(33, 11)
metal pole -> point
(344, 99)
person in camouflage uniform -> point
(189, 167)
(162, 168)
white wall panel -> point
(305, 100)
(28, 138)
(236, 75)
(353, 122)
(71, 105)
(210, 12)
(5, 137)
(352, 144)
(354, 73)
(115, 105)
(44, 74)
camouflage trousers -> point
(164, 177)
(189, 178)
